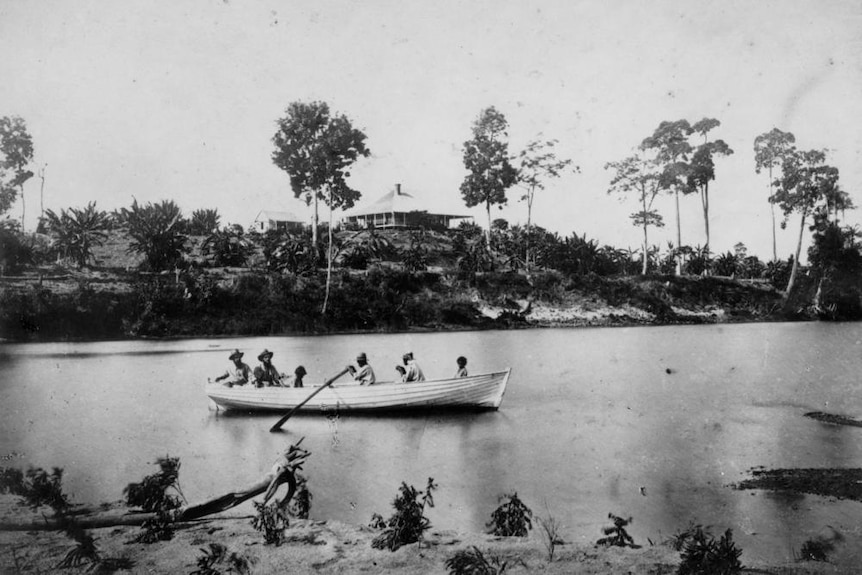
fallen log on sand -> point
(282, 472)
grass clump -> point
(550, 534)
(408, 523)
(819, 548)
(616, 535)
(215, 561)
(703, 555)
(512, 518)
(473, 562)
(84, 552)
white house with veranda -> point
(399, 209)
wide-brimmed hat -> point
(265, 354)
(362, 356)
(237, 354)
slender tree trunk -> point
(793, 270)
(328, 256)
(772, 209)
(704, 198)
(529, 216)
(42, 194)
(315, 225)
(644, 269)
(678, 235)
(23, 206)
(488, 233)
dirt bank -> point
(324, 547)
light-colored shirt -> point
(237, 375)
(365, 375)
(414, 372)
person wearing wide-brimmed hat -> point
(267, 374)
(414, 372)
(239, 374)
(365, 374)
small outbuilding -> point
(267, 220)
(398, 209)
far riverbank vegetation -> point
(150, 270)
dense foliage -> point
(512, 518)
(409, 522)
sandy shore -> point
(328, 547)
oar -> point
(328, 382)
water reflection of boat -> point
(483, 391)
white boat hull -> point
(483, 391)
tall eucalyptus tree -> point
(672, 148)
(636, 175)
(702, 167)
(769, 151)
(806, 184)
(486, 158)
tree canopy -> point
(638, 176)
(317, 149)
(16, 154)
(769, 150)
(486, 158)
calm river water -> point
(650, 422)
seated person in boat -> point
(402, 373)
(414, 372)
(365, 374)
(266, 374)
(462, 367)
(298, 374)
(240, 372)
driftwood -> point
(282, 472)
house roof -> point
(269, 215)
(400, 202)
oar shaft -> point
(281, 421)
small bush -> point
(616, 535)
(43, 489)
(300, 504)
(271, 521)
(152, 495)
(473, 562)
(815, 550)
(408, 523)
(512, 518)
(11, 480)
(211, 559)
(703, 555)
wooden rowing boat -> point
(483, 391)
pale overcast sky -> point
(178, 99)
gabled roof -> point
(269, 215)
(398, 202)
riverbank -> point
(46, 305)
(329, 547)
